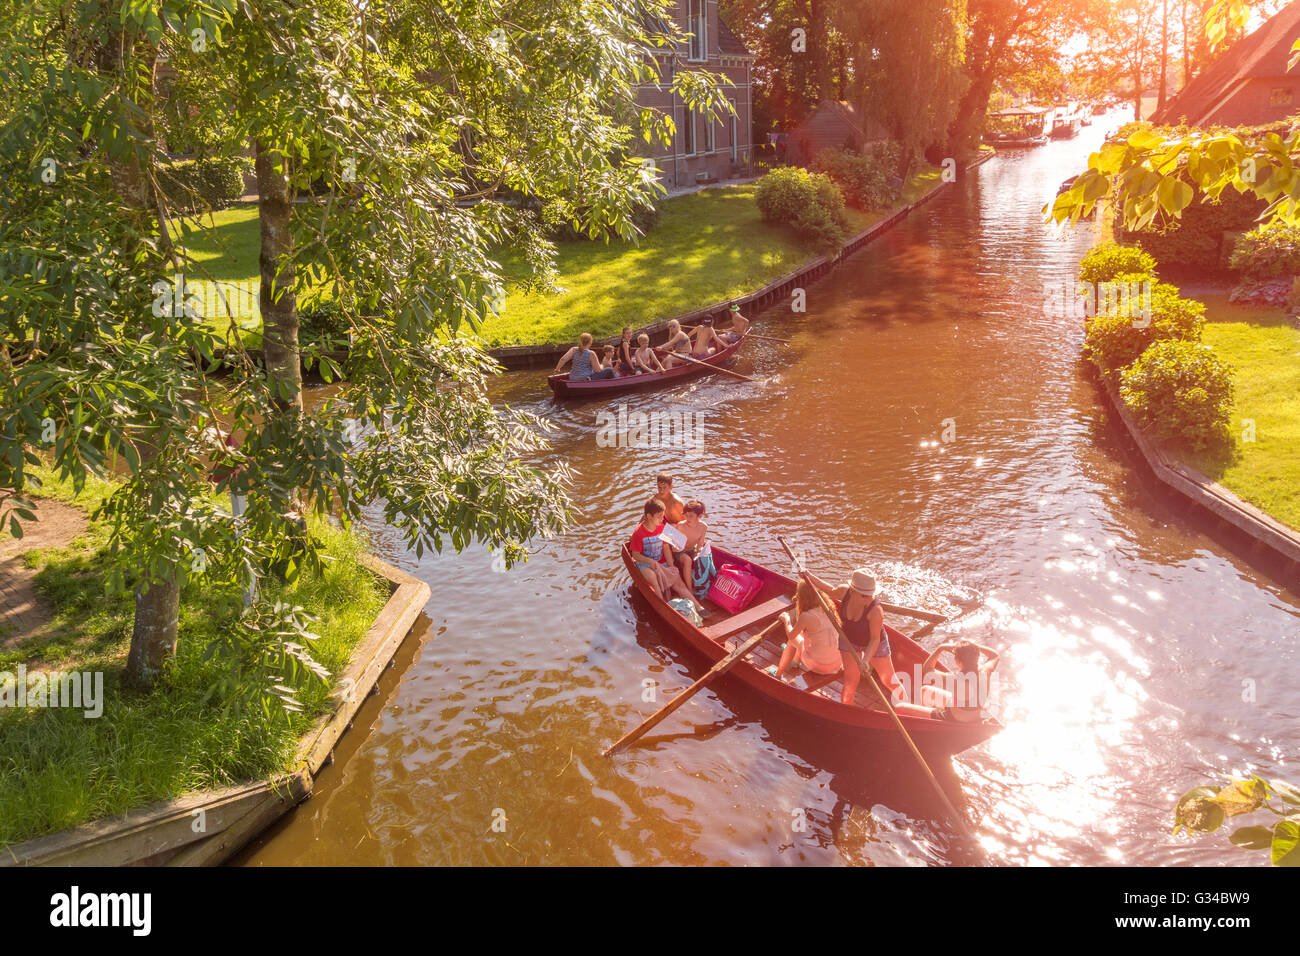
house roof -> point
(1264, 53)
(728, 42)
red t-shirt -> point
(648, 543)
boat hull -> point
(563, 388)
(791, 704)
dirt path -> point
(22, 612)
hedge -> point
(1182, 392)
(810, 203)
(198, 185)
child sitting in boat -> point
(966, 691)
(814, 641)
(653, 556)
(645, 358)
(696, 557)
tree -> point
(1009, 43)
(1157, 173)
(437, 138)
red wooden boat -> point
(810, 698)
(596, 388)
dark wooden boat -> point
(597, 388)
(809, 698)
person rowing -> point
(813, 641)
(679, 343)
(864, 625)
(706, 340)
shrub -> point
(1268, 252)
(195, 185)
(1103, 263)
(810, 203)
(1182, 392)
(1115, 340)
(864, 180)
(1199, 239)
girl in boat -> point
(645, 358)
(696, 557)
(966, 691)
(586, 365)
(654, 557)
(679, 343)
(864, 625)
(626, 363)
(814, 641)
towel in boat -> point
(673, 536)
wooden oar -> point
(867, 673)
(718, 669)
(913, 612)
(716, 368)
(767, 338)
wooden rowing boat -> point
(811, 698)
(597, 388)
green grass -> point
(60, 769)
(1265, 350)
(708, 247)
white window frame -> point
(697, 24)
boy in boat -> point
(674, 507)
(815, 642)
(967, 690)
(609, 361)
(679, 343)
(586, 366)
(706, 340)
(653, 555)
(695, 558)
(864, 625)
(739, 325)
(645, 358)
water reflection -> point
(1125, 633)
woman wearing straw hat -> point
(864, 625)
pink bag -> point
(734, 588)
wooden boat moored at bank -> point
(596, 388)
(809, 698)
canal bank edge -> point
(208, 827)
(517, 357)
(1261, 531)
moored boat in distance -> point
(595, 388)
(810, 699)
(1066, 121)
(1017, 126)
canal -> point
(930, 419)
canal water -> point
(931, 419)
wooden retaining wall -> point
(539, 356)
(207, 828)
(1257, 533)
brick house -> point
(702, 151)
(1249, 85)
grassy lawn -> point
(226, 256)
(709, 246)
(59, 768)
(1265, 350)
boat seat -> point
(737, 623)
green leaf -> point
(1252, 838)
(1286, 844)
(1198, 811)
(1241, 796)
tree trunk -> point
(278, 304)
(971, 113)
(1187, 52)
(153, 639)
(1164, 54)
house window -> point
(687, 138)
(712, 140)
(1280, 96)
(697, 24)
